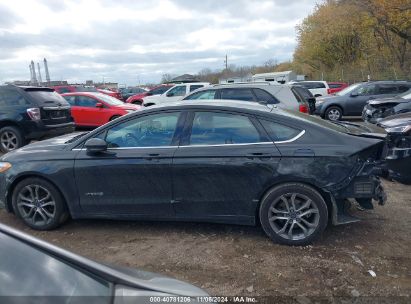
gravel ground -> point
(236, 260)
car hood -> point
(388, 100)
(396, 121)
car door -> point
(358, 99)
(87, 111)
(223, 162)
(134, 176)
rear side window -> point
(403, 88)
(47, 98)
(12, 98)
(213, 128)
(387, 89)
(264, 96)
(195, 87)
(207, 94)
(279, 132)
(334, 85)
(237, 94)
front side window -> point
(149, 131)
(177, 91)
(85, 101)
(214, 128)
(367, 90)
(237, 94)
(208, 94)
(279, 132)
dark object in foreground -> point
(43, 273)
(212, 161)
(398, 160)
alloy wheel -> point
(294, 216)
(9, 140)
(36, 205)
(334, 114)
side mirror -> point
(95, 145)
(170, 94)
(99, 105)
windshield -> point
(109, 100)
(348, 90)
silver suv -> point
(282, 95)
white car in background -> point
(175, 93)
(317, 88)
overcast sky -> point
(131, 41)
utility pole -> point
(226, 62)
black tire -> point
(290, 218)
(11, 138)
(32, 210)
(114, 117)
(333, 113)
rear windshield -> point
(47, 98)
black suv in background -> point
(28, 113)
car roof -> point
(217, 104)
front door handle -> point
(258, 155)
(150, 156)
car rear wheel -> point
(11, 138)
(333, 113)
(39, 204)
(293, 214)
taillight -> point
(34, 113)
(329, 91)
(303, 108)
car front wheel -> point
(293, 214)
(333, 113)
(39, 204)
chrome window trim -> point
(224, 145)
(291, 139)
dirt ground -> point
(235, 260)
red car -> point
(91, 109)
(138, 98)
(335, 87)
(111, 93)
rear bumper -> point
(38, 130)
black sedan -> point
(378, 109)
(33, 271)
(224, 162)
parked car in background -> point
(352, 100)
(28, 113)
(175, 93)
(212, 161)
(398, 159)
(335, 87)
(61, 89)
(317, 88)
(378, 109)
(283, 96)
(131, 91)
(138, 98)
(304, 96)
(69, 278)
(90, 109)
(111, 93)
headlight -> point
(4, 166)
(402, 129)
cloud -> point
(124, 40)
